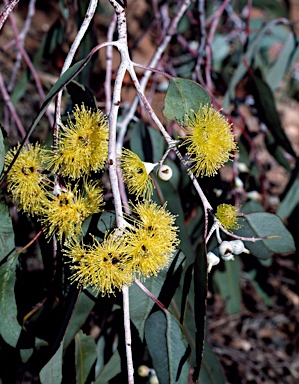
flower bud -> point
(154, 380)
(164, 173)
(238, 247)
(226, 250)
(143, 371)
(212, 260)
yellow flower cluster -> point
(139, 251)
(83, 148)
(210, 141)
(25, 180)
(83, 144)
(136, 174)
(227, 216)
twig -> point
(150, 295)
(29, 64)
(21, 39)
(203, 38)
(210, 38)
(153, 62)
(6, 11)
(109, 56)
(124, 54)
(68, 61)
(11, 108)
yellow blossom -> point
(25, 180)
(83, 144)
(227, 216)
(152, 240)
(209, 139)
(136, 174)
(102, 266)
(64, 214)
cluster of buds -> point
(226, 250)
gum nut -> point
(225, 249)
(143, 371)
(164, 173)
(212, 260)
(229, 257)
(238, 247)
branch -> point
(6, 11)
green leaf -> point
(276, 151)
(211, 370)
(167, 347)
(10, 329)
(141, 304)
(52, 371)
(182, 96)
(25, 354)
(228, 283)
(265, 104)
(262, 224)
(106, 222)
(7, 237)
(81, 94)
(247, 61)
(110, 370)
(82, 309)
(282, 64)
(290, 201)
(85, 350)
(200, 304)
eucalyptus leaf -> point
(10, 329)
(167, 347)
(200, 304)
(85, 352)
(52, 371)
(228, 283)
(211, 370)
(183, 96)
(110, 370)
(140, 304)
(261, 224)
(7, 237)
(281, 66)
(81, 311)
(80, 94)
(265, 104)
(290, 201)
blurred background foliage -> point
(50, 331)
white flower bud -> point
(239, 183)
(143, 371)
(254, 195)
(212, 260)
(164, 173)
(242, 167)
(226, 251)
(154, 380)
(238, 247)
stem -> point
(6, 11)
(21, 39)
(128, 337)
(122, 46)
(67, 63)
